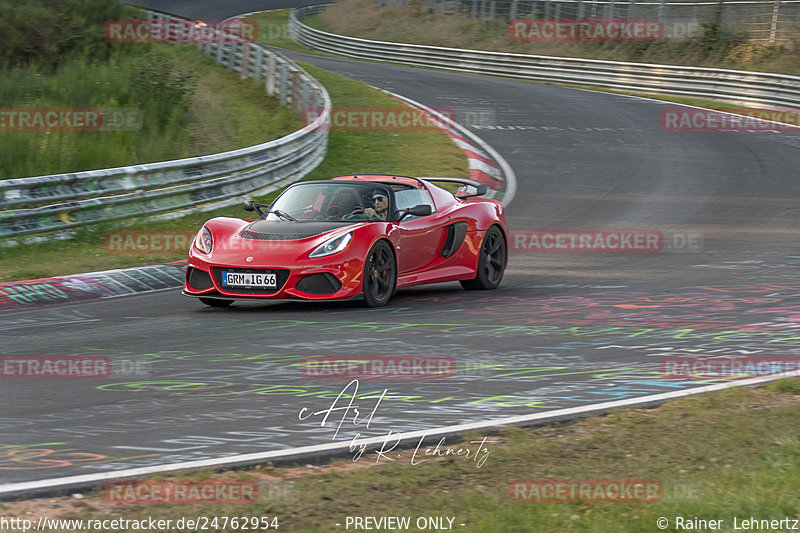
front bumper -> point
(319, 279)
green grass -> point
(413, 23)
(222, 113)
(273, 30)
(349, 152)
(733, 453)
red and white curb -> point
(485, 163)
(36, 293)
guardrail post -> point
(220, 48)
(632, 9)
(182, 33)
(270, 84)
(247, 50)
(773, 28)
(611, 9)
(305, 94)
(295, 90)
(580, 9)
(283, 69)
(257, 65)
(512, 12)
(232, 49)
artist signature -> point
(359, 446)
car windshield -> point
(347, 201)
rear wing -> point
(480, 188)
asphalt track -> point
(564, 330)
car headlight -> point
(332, 246)
(204, 241)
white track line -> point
(344, 447)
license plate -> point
(261, 281)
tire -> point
(491, 262)
(380, 275)
(214, 302)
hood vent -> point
(264, 230)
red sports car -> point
(352, 237)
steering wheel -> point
(358, 213)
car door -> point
(421, 238)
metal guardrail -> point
(761, 20)
(55, 204)
(753, 89)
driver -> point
(381, 210)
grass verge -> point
(273, 29)
(734, 453)
(349, 152)
(189, 106)
(414, 23)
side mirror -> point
(421, 210)
(248, 205)
(480, 190)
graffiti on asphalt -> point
(37, 457)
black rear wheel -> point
(380, 275)
(491, 262)
(215, 302)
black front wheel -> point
(380, 275)
(215, 302)
(491, 262)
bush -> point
(159, 80)
(51, 32)
(148, 79)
